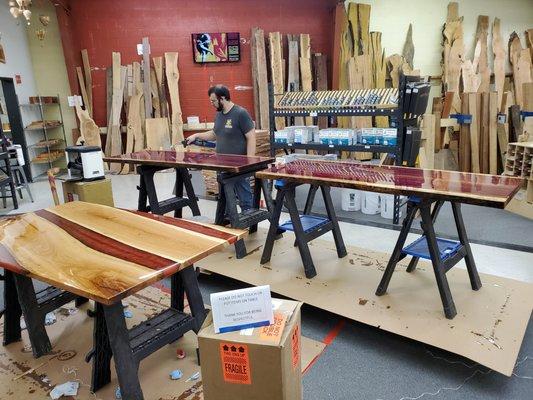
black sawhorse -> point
(227, 200)
(148, 193)
(129, 346)
(286, 194)
(444, 254)
(20, 298)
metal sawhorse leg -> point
(286, 195)
(444, 254)
(149, 202)
(20, 298)
(129, 347)
(227, 202)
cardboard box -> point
(98, 192)
(263, 363)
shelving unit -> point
(519, 162)
(317, 106)
(50, 149)
(11, 120)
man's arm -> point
(250, 142)
(209, 136)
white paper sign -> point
(241, 309)
(74, 100)
(139, 49)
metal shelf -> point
(394, 111)
(41, 145)
(374, 148)
(43, 128)
(47, 160)
(38, 104)
(48, 133)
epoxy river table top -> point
(104, 253)
(190, 159)
(487, 190)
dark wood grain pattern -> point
(189, 159)
(481, 189)
(104, 253)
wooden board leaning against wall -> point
(129, 86)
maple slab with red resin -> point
(482, 189)
(104, 253)
(188, 159)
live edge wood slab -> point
(179, 159)
(481, 189)
(104, 253)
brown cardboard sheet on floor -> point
(71, 338)
(489, 326)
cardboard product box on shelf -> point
(260, 363)
(98, 192)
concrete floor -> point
(361, 362)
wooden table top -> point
(190, 159)
(487, 190)
(104, 253)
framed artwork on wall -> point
(216, 47)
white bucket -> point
(20, 155)
(387, 206)
(370, 203)
(351, 200)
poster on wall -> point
(216, 47)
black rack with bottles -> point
(390, 102)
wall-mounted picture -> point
(216, 47)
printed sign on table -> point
(241, 309)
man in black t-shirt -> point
(234, 133)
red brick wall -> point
(103, 26)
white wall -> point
(18, 59)
(392, 18)
(50, 71)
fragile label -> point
(296, 347)
(235, 363)
(273, 332)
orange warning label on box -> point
(296, 347)
(273, 332)
(235, 363)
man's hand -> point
(191, 139)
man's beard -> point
(220, 107)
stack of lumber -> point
(262, 143)
(43, 124)
(359, 61)
(494, 107)
(303, 70)
(143, 96)
(478, 140)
